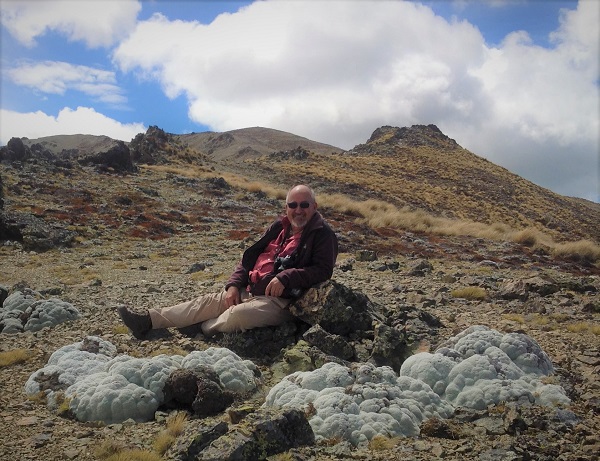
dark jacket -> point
(312, 263)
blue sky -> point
(514, 81)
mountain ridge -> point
(418, 167)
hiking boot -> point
(138, 323)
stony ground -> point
(111, 264)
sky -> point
(514, 81)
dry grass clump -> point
(14, 356)
(112, 451)
(381, 443)
(471, 293)
(530, 238)
(175, 426)
(378, 213)
(584, 251)
(518, 318)
(554, 322)
(583, 327)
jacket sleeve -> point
(316, 261)
(238, 278)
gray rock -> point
(420, 268)
(261, 434)
(198, 434)
(521, 289)
(329, 343)
(337, 309)
(34, 233)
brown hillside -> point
(174, 227)
(415, 168)
(88, 144)
(250, 142)
(421, 168)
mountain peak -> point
(414, 136)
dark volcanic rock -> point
(336, 308)
(117, 158)
(15, 151)
(34, 233)
(201, 390)
(263, 433)
(150, 147)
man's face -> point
(300, 207)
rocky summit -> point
(436, 245)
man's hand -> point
(274, 288)
(232, 297)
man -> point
(296, 252)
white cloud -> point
(279, 64)
(98, 23)
(335, 71)
(83, 120)
(58, 77)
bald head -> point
(300, 206)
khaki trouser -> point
(210, 310)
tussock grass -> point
(175, 426)
(471, 293)
(554, 322)
(583, 251)
(133, 455)
(583, 327)
(518, 318)
(112, 451)
(14, 356)
(163, 442)
(378, 213)
(176, 423)
(381, 443)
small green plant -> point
(8, 358)
(471, 293)
(64, 405)
(120, 330)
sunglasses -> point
(294, 205)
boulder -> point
(199, 389)
(14, 151)
(261, 434)
(337, 309)
(522, 288)
(34, 233)
(118, 158)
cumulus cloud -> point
(279, 64)
(58, 77)
(83, 120)
(97, 23)
(335, 71)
